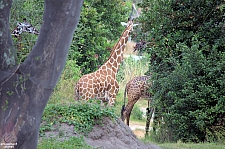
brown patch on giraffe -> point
(103, 67)
(118, 52)
(111, 60)
(126, 40)
(109, 71)
(100, 71)
(122, 41)
(84, 90)
(119, 59)
(115, 71)
(114, 56)
(90, 81)
(84, 85)
(118, 45)
(115, 65)
(126, 33)
(97, 75)
(95, 90)
(100, 89)
(85, 79)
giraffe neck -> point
(116, 55)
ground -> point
(111, 134)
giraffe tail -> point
(123, 107)
(125, 93)
(77, 92)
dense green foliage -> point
(188, 66)
(83, 115)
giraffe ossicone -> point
(136, 88)
(102, 83)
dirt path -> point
(139, 127)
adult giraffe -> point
(135, 89)
(102, 84)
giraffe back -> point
(138, 87)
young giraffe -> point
(102, 84)
(135, 89)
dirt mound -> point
(111, 134)
(114, 134)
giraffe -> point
(102, 83)
(135, 89)
(24, 27)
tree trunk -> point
(26, 88)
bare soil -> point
(111, 134)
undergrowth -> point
(83, 115)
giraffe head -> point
(130, 22)
(131, 18)
(24, 27)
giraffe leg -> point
(128, 114)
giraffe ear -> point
(123, 23)
(135, 25)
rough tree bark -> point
(25, 88)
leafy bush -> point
(187, 62)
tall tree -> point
(25, 88)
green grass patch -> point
(180, 145)
(72, 143)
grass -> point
(181, 145)
(72, 143)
